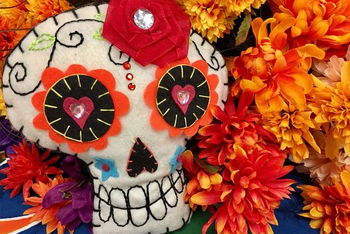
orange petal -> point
(206, 198)
(345, 178)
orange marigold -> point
(39, 10)
(209, 18)
(328, 207)
(320, 22)
(239, 6)
(272, 71)
(292, 129)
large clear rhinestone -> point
(143, 19)
(183, 97)
(77, 110)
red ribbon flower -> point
(165, 41)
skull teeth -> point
(137, 204)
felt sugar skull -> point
(68, 88)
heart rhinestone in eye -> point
(77, 109)
(183, 96)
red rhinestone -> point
(131, 86)
(129, 76)
(126, 65)
(105, 167)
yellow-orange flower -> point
(320, 22)
(239, 6)
(39, 10)
(209, 18)
(272, 71)
(332, 104)
(325, 167)
(328, 207)
(292, 129)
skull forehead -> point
(73, 38)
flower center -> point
(143, 19)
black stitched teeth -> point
(139, 203)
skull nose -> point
(141, 159)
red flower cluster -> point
(25, 166)
(237, 174)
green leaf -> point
(98, 34)
(100, 17)
(42, 42)
(207, 167)
(243, 29)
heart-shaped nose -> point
(141, 159)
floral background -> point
(288, 112)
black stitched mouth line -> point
(148, 204)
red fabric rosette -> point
(166, 41)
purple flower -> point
(74, 168)
(8, 135)
(81, 205)
(78, 194)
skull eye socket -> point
(79, 108)
(180, 97)
(183, 96)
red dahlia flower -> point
(27, 165)
(250, 191)
(235, 127)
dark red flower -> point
(26, 165)
(165, 41)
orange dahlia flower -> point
(323, 23)
(328, 207)
(272, 71)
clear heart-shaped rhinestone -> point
(183, 97)
(143, 19)
(77, 109)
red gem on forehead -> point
(129, 76)
(105, 167)
(131, 86)
(126, 65)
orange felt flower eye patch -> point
(180, 97)
(80, 107)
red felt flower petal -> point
(165, 41)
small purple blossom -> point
(8, 135)
(78, 194)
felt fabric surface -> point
(63, 65)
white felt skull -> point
(68, 88)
